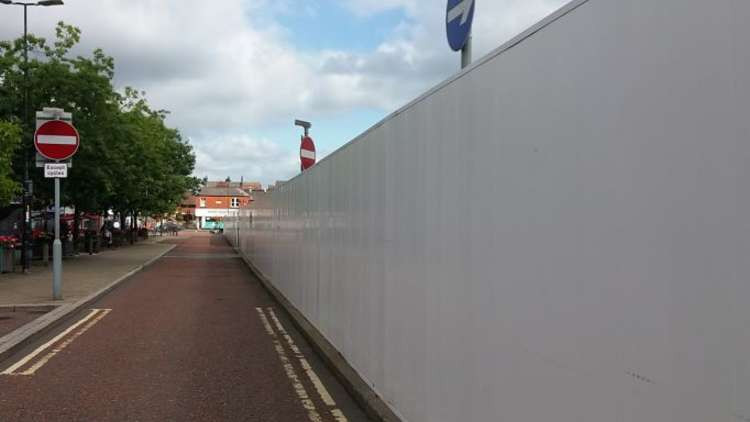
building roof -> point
(222, 191)
(246, 186)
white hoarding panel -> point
(560, 233)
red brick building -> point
(215, 201)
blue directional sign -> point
(459, 16)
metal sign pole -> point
(459, 19)
(466, 53)
(56, 141)
(57, 248)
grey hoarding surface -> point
(560, 233)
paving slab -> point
(82, 275)
(13, 317)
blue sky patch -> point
(328, 25)
(329, 132)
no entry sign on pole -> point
(56, 140)
(307, 153)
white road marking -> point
(304, 398)
(56, 140)
(11, 370)
(322, 390)
(65, 344)
(338, 415)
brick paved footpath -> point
(82, 275)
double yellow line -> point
(277, 335)
(31, 365)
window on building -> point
(235, 202)
(203, 202)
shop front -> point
(213, 218)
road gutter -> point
(21, 337)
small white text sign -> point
(55, 170)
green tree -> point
(153, 169)
(10, 138)
(129, 160)
(79, 85)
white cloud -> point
(416, 56)
(243, 156)
(227, 67)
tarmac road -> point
(192, 337)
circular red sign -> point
(56, 140)
(307, 152)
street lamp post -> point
(27, 193)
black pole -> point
(26, 226)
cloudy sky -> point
(236, 73)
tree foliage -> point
(10, 138)
(129, 160)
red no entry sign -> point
(56, 140)
(307, 152)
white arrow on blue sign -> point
(459, 17)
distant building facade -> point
(216, 201)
